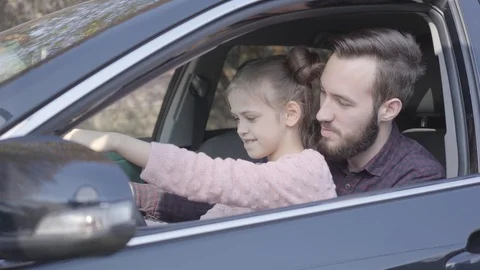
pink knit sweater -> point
(239, 186)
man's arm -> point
(421, 172)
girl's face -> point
(261, 127)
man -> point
(366, 82)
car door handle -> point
(469, 258)
(464, 261)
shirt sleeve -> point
(422, 172)
(159, 205)
(302, 178)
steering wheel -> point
(132, 170)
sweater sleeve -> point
(298, 178)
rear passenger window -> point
(220, 117)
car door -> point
(410, 228)
(404, 229)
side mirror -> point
(60, 200)
(5, 116)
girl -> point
(271, 101)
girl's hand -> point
(95, 140)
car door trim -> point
(90, 84)
(299, 212)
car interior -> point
(423, 119)
(195, 114)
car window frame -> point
(466, 44)
(457, 142)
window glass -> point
(135, 114)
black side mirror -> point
(61, 200)
(5, 116)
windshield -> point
(30, 43)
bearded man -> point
(369, 77)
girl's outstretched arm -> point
(293, 179)
(134, 150)
(296, 179)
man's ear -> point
(389, 109)
(293, 113)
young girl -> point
(271, 100)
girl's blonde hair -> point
(291, 78)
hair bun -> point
(304, 65)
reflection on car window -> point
(28, 44)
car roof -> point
(84, 37)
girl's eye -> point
(251, 118)
(342, 103)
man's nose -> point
(325, 114)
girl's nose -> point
(241, 128)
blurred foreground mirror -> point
(5, 116)
(61, 200)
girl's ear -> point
(293, 113)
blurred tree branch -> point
(15, 12)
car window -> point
(220, 117)
(136, 113)
(33, 42)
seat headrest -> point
(426, 106)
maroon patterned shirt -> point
(401, 161)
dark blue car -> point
(156, 70)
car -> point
(156, 70)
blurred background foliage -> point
(15, 12)
(136, 113)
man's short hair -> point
(398, 56)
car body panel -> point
(466, 38)
(373, 235)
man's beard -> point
(350, 146)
